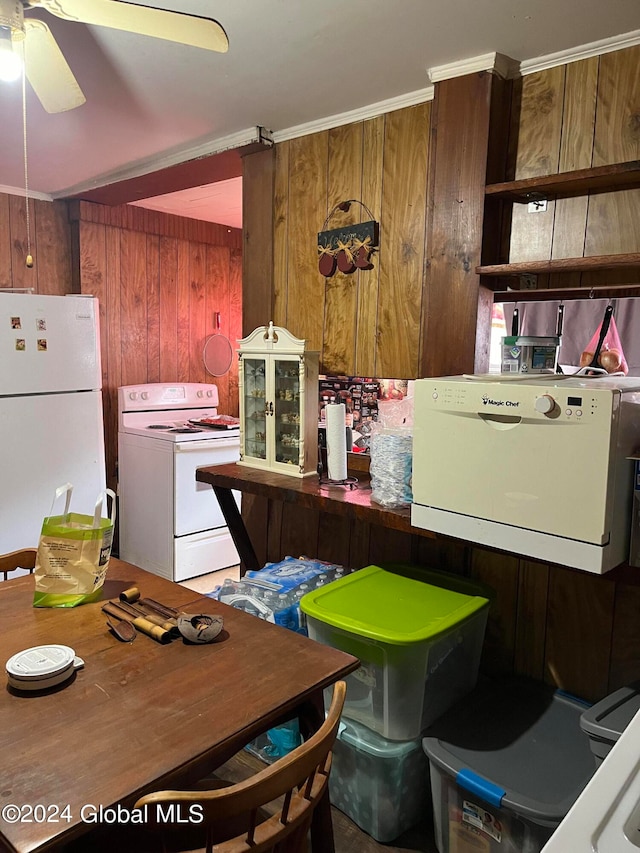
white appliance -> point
(51, 426)
(170, 524)
(536, 466)
(606, 816)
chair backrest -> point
(23, 559)
(299, 778)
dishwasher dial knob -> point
(145, 395)
(200, 393)
(133, 395)
(209, 393)
(545, 404)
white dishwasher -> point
(537, 466)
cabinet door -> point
(254, 407)
(287, 420)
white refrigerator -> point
(51, 424)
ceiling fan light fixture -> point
(10, 61)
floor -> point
(206, 583)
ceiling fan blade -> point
(47, 70)
(158, 23)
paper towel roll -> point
(336, 441)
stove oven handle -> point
(206, 444)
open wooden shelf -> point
(560, 294)
(596, 262)
(618, 176)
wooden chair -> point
(238, 818)
(23, 559)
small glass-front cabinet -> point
(278, 388)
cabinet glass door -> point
(255, 428)
(287, 411)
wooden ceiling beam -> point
(182, 176)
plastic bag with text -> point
(611, 355)
(73, 553)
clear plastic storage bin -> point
(506, 766)
(382, 785)
(418, 634)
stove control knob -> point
(209, 393)
(145, 395)
(133, 395)
(200, 393)
(545, 404)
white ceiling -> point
(220, 202)
(290, 63)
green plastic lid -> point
(391, 606)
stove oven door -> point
(202, 543)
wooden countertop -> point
(308, 492)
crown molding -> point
(360, 114)
(20, 191)
(586, 51)
(497, 63)
(505, 67)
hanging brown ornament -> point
(326, 262)
(344, 264)
(362, 258)
(345, 257)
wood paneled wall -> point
(257, 238)
(569, 628)
(50, 245)
(569, 117)
(367, 322)
(160, 279)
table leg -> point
(236, 527)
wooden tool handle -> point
(162, 609)
(132, 594)
(134, 610)
(155, 631)
(144, 625)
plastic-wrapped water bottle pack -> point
(274, 592)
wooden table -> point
(304, 491)
(143, 716)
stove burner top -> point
(185, 429)
(159, 426)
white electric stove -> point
(170, 524)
